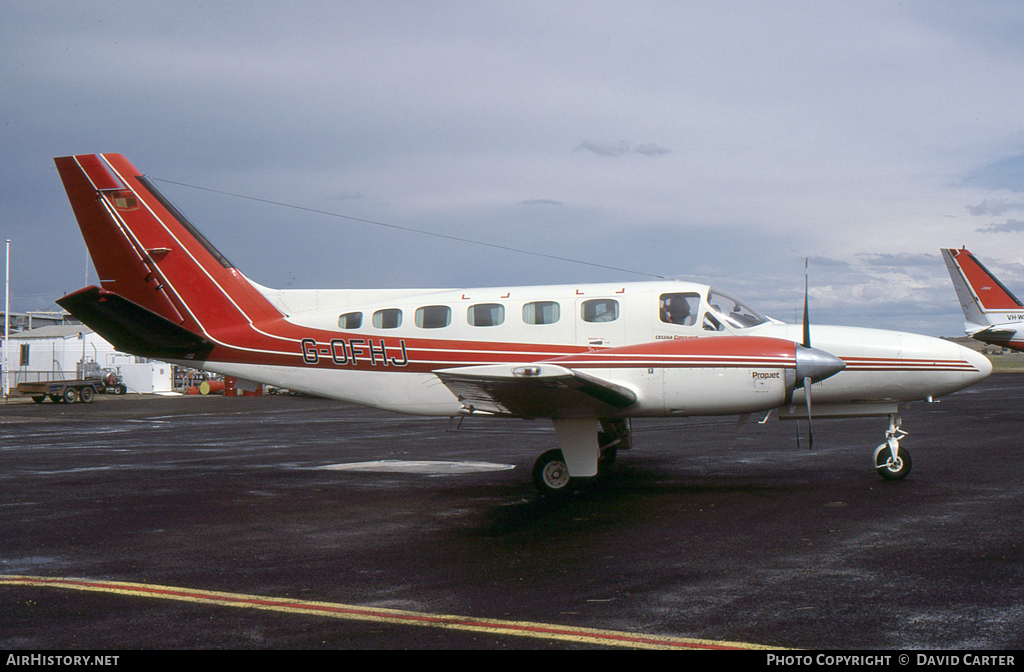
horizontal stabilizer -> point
(995, 335)
(131, 328)
(535, 390)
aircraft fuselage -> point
(386, 355)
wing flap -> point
(535, 391)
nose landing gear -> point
(892, 462)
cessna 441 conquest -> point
(589, 357)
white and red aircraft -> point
(589, 357)
(992, 314)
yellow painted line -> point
(378, 615)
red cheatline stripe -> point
(879, 363)
(394, 616)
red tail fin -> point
(992, 294)
(147, 252)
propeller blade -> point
(813, 364)
(807, 319)
(810, 429)
(807, 343)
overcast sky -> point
(719, 141)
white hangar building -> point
(70, 350)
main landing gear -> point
(892, 462)
(551, 470)
(551, 474)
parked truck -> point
(68, 391)
(80, 389)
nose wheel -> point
(891, 461)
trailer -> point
(68, 391)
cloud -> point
(540, 201)
(825, 261)
(1011, 226)
(621, 148)
(651, 149)
(995, 207)
(899, 260)
(1005, 174)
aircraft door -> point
(599, 323)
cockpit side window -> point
(680, 308)
(733, 311)
(711, 324)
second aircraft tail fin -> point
(984, 299)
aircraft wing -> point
(534, 390)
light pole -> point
(7, 318)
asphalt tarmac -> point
(323, 525)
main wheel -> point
(85, 396)
(69, 395)
(550, 473)
(889, 467)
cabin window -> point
(433, 317)
(541, 312)
(390, 318)
(486, 315)
(350, 321)
(600, 310)
(681, 308)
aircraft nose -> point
(816, 364)
(979, 361)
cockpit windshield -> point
(733, 311)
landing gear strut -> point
(614, 436)
(892, 462)
(598, 449)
